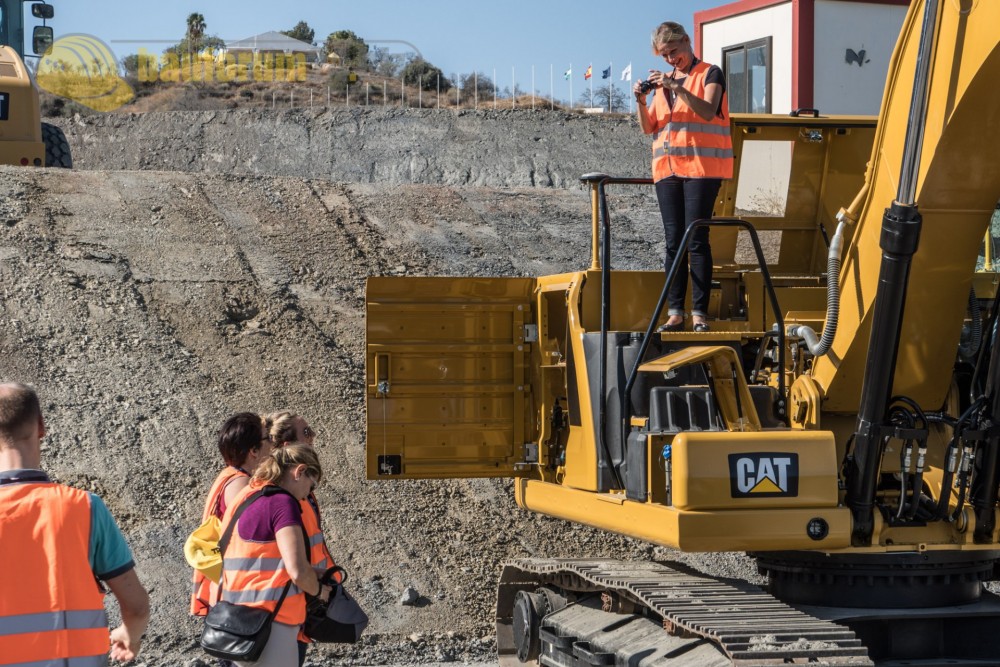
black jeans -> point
(682, 201)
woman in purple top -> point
(276, 521)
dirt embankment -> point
(367, 145)
(148, 305)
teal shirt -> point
(109, 552)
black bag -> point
(339, 621)
(235, 631)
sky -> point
(457, 37)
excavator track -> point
(743, 625)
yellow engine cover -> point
(766, 469)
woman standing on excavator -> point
(692, 153)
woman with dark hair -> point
(243, 445)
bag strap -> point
(284, 592)
(228, 533)
(329, 577)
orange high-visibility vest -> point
(319, 555)
(204, 591)
(253, 573)
(51, 608)
(686, 144)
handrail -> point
(600, 204)
(602, 226)
(672, 275)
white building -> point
(274, 43)
(781, 55)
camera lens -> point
(645, 87)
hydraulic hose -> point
(820, 345)
(970, 347)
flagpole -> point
(513, 89)
(532, 87)
(494, 88)
(591, 84)
(629, 88)
(571, 86)
(630, 97)
(552, 98)
(611, 83)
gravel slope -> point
(148, 305)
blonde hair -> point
(280, 428)
(283, 459)
(667, 32)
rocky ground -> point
(194, 265)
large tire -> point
(56, 147)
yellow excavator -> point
(24, 139)
(840, 422)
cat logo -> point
(768, 475)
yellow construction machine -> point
(840, 422)
(24, 139)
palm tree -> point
(195, 31)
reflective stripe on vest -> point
(269, 564)
(687, 145)
(89, 661)
(251, 597)
(51, 621)
(704, 128)
(693, 151)
(204, 591)
(254, 575)
(51, 612)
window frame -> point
(767, 43)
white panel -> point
(774, 22)
(840, 87)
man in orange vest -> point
(57, 544)
(692, 153)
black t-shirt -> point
(713, 75)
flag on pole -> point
(627, 73)
(606, 74)
(589, 73)
(568, 73)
